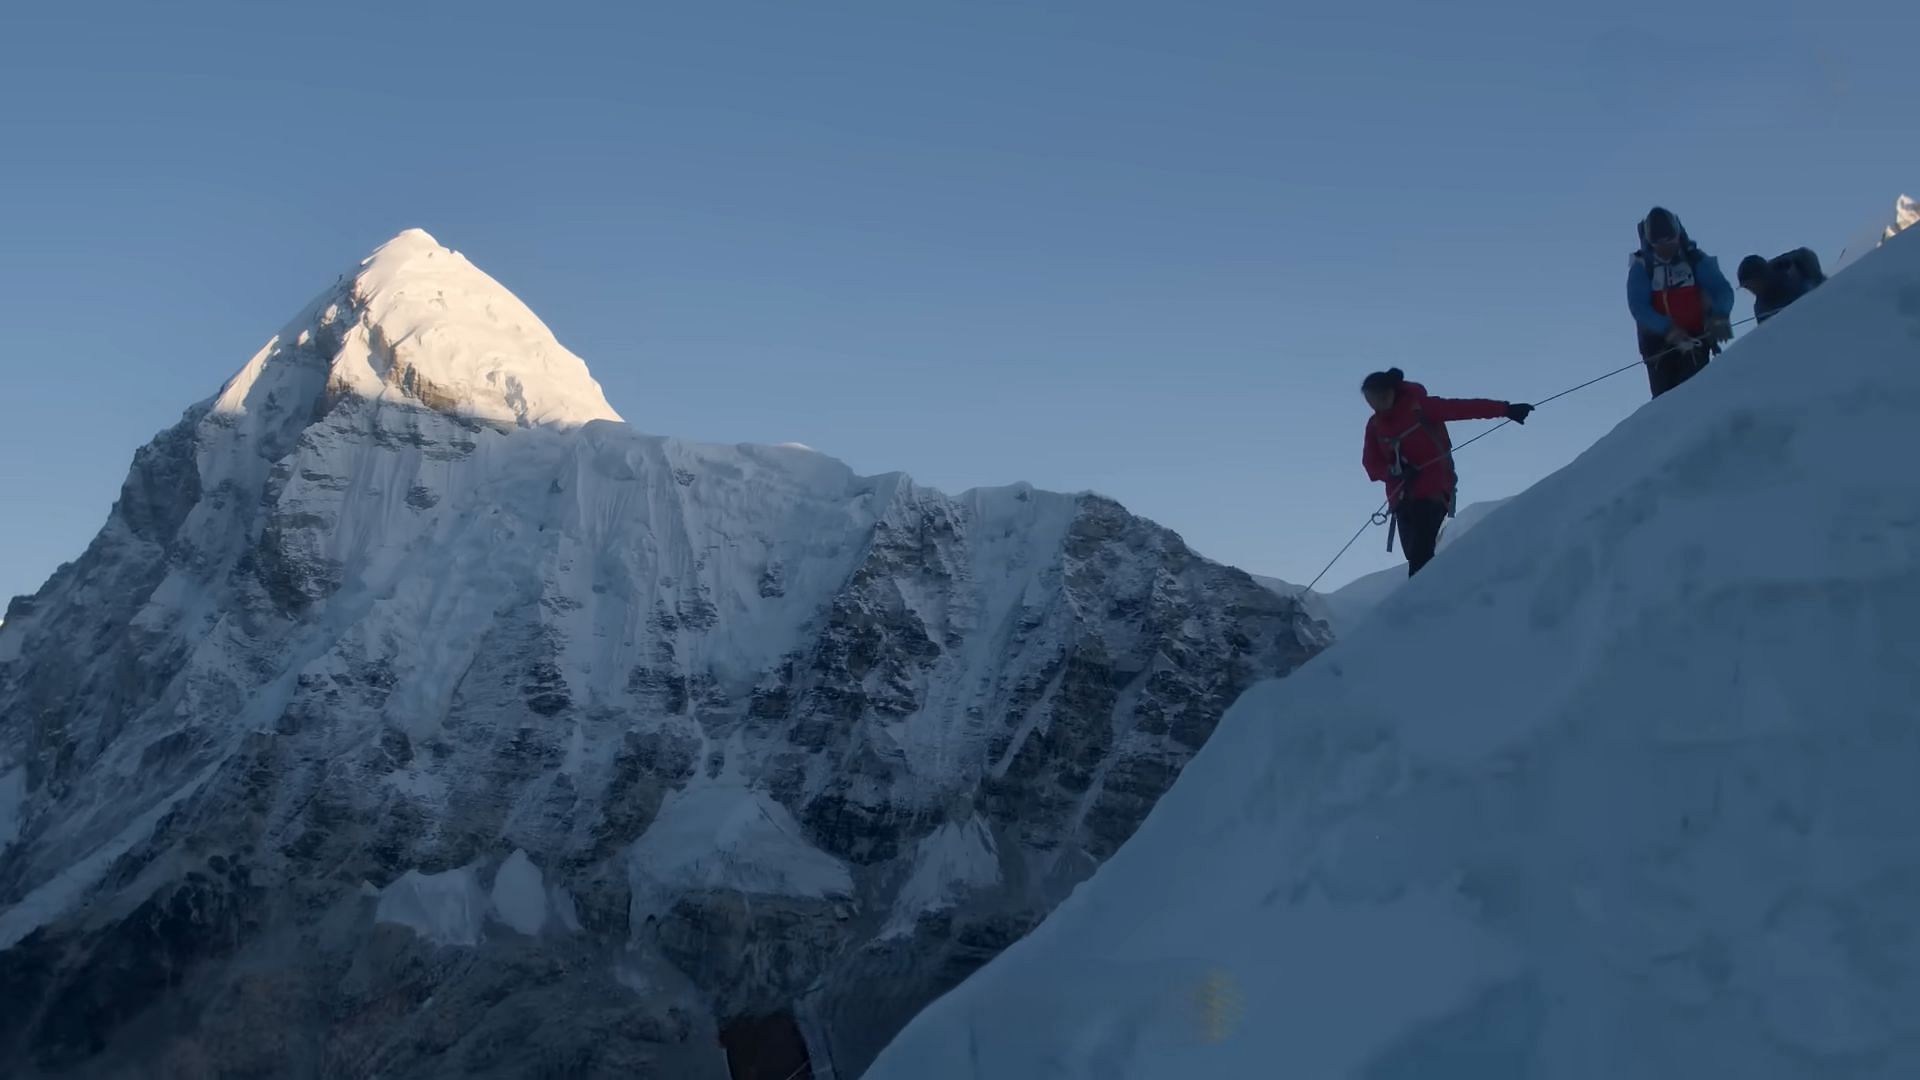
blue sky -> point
(1143, 248)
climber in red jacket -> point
(1409, 451)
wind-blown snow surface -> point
(1622, 788)
(403, 673)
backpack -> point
(1805, 263)
(1407, 470)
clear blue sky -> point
(1143, 248)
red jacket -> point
(1419, 423)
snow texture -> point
(447, 908)
(956, 859)
(1346, 607)
(519, 894)
(726, 838)
(561, 903)
(1621, 788)
(429, 328)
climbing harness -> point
(1385, 516)
(1401, 470)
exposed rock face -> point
(412, 717)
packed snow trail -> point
(1622, 787)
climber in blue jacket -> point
(1680, 301)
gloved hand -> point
(1719, 329)
(1679, 338)
(1519, 413)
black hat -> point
(1660, 225)
(1752, 268)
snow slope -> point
(1345, 607)
(1624, 788)
(960, 858)
(732, 838)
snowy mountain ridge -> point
(1618, 789)
(403, 673)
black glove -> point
(1519, 413)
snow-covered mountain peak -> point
(1906, 212)
(417, 323)
(405, 244)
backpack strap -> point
(1407, 471)
(1400, 465)
(1438, 433)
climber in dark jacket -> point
(1679, 299)
(1408, 449)
(1779, 281)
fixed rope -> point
(1380, 516)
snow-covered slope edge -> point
(1314, 602)
(409, 716)
(1347, 606)
(1621, 788)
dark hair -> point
(1389, 379)
(1752, 268)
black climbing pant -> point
(1419, 522)
(1668, 367)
